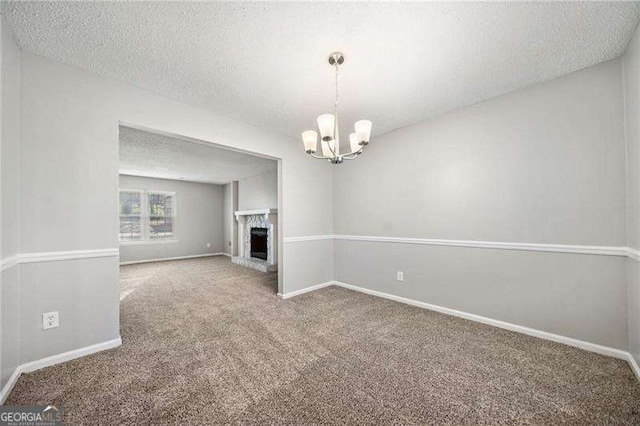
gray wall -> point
(83, 293)
(258, 192)
(9, 213)
(229, 224)
(632, 127)
(540, 165)
(69, 168)
(199, 220)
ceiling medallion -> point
(330, 133)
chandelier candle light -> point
(330, 133)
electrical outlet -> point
(400, 276)
(50, 320)
(208, 245)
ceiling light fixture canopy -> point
(330, 132)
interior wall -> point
(259, 192)
(199, 208)
(540, 165)
(631, 74)
(9, 213)
(229, 223)
(69, 169)
(227, 217)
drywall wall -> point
(258, 192)
(9, 214)
(229, 223)
(540, 165)
(553, 292)
(73, 288)
(631, 73)
(69, 169)
(199, 221)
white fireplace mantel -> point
(259, 212)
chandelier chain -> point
(337, 93)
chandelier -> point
(330, 132)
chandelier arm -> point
(354, 154)
(319, 157)
(331, 149)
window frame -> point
(145, 216)
(120, 215)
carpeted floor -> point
(206, 341)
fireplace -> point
(259, 245)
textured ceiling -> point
(265, 63)
(152, 155)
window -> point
(160, 215)
(147, 216)
(130, 215)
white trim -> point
(225, 254)
(55, 256)
(255, 212)
(633, 254)
(634, 365)
(588, 346)
(289, 295)
(308, 238)
(9, 262)
(67, 255)
(147, 242)
(592, 347)
(497, 245)
(6, 390)
(171, 258)
(53, 360)
(555, 248)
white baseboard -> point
(634, 365)
(291, 294)
(6, 390)
(588, 346)
(53, 360)
(225, 254)
(195, 256)
(592, 347)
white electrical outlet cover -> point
(49, 320)
(400, 276)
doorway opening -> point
(188, 205)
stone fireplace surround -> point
(263, 218)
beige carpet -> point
(206, 341)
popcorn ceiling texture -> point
(153, 155)
(265, 63)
